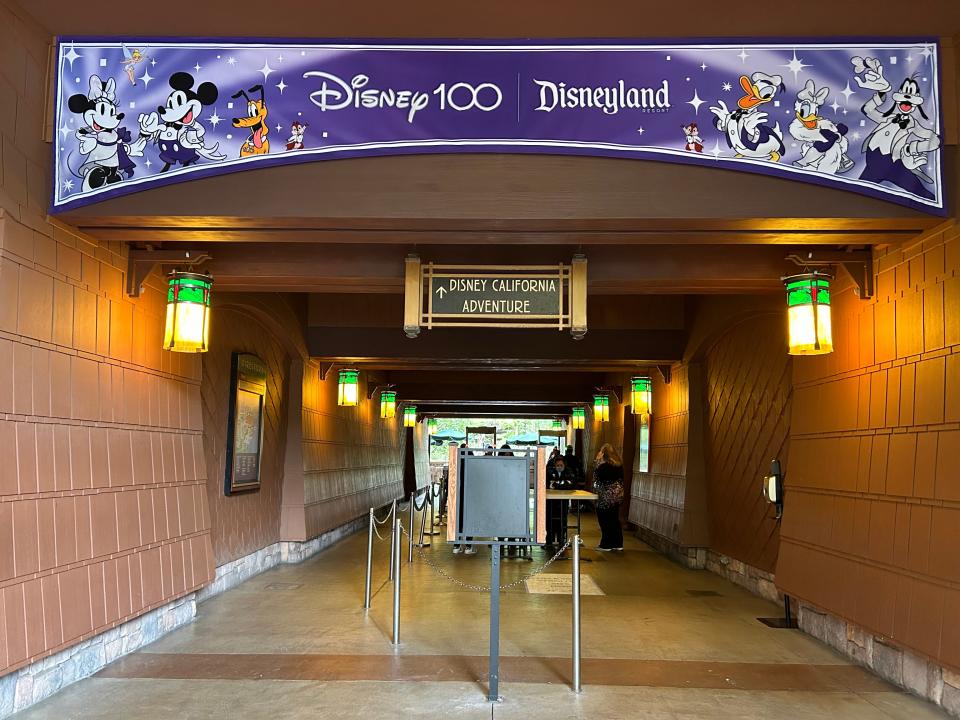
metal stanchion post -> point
(366, 587)
(576, 614)
(394, 540)
(396, 587)
(413, 520)
(433, 499)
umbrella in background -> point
(530, 438)
(447, 436)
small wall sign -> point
(499, 296)
(248, 391)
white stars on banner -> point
(214, 118)
(231, 61)
(727, 87)
(835, 105)
(795, 65)
(68, 184)
(704, 66)
(696, 102)
(64, 130)
(265, 70)
(72, 55)
(716, 150)
(197, 67)
(847, 92)
(743, 55)
(279, 127)
(281, 86)
(146, 77)
(640, 130)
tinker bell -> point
(132, 59)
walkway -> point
(661, 642)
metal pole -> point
(366, 587)
(396, 588)
(393, 537)
(413, 520)
(576, 614)
(493, 693)
(433, 501)
(423, 523)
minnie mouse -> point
(106, 145)
(175, 127)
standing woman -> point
(608, 482)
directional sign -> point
(503, 296)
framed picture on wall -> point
(248, 390)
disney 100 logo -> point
(337, 94)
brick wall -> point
(748, 389)
(102, 482)
(872, 519)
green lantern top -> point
(349, 377)
(808, 289)
(185, 287)
(641, 384)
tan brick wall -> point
(872, 519)
(103, 513)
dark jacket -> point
(608, 482)
(561, 480)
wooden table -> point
(571, 495)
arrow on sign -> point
(441, 291)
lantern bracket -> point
(325, 368)
(140, 263)
(378, 387)
(664, 373)
(857, 263)
(615, 390)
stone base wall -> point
(694, 558)
(894, 664)
(38, 681)
(33, 683)
(757, 581)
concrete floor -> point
(294, 642)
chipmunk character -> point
(105, 145)
(898, 148)
(694, 141)
(295, 141)
(175, 127)
(745, 128)
(824, 145)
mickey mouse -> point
(105, 144)
(175, 127)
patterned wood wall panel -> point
(245, 522)
(872, 518)
(658, 496)
(749, 383)
(352, 460)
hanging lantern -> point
(601, 408)
(187, 327)
(348, 388)
(641, 395)
(388, 404)
(579, 418)
(432, 425)
(808, 313)
(410, 416)
(558, 424)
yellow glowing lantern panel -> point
(578, 418)
(808, 314)
(388, 404)
(601, 408)
(348, 385)
(187, 326)
(410, 416)
(641, 395)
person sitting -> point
(559, 477)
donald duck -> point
(745, 128)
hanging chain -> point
(486, 588)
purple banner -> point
(861, 115)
